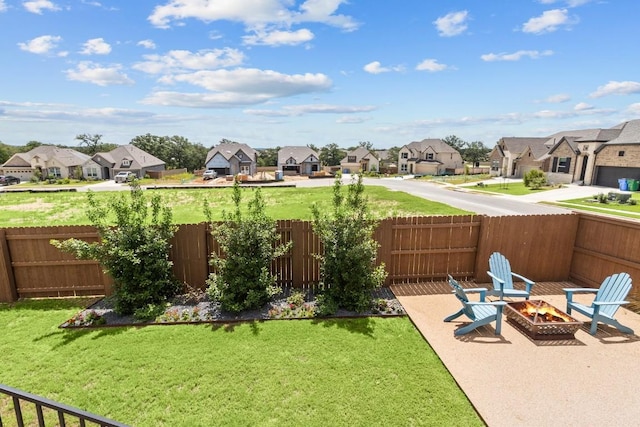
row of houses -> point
(48, 161)
(587, 156)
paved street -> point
(475, 201)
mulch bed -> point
(196, 307)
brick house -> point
(429, 157)
(360, 160)
(51, 161)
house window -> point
(561, 164)
(92, 172)
(495, 165)
(404, 156)
(55, 172)
(403, 167)
(126, 163)
(429, 156)
(351, 159)
(585, 148)
(291, 161)
(620, 153)
(244, 170)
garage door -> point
(607, 176)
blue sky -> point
(286, 72)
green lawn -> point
(513, 188)
(357, 372)
(612, 207)
(19, 209)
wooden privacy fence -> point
(579, 247)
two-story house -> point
(360, 160)
(298, 160)
(232, 158)
(429, 157)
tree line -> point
(178, 152)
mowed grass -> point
(611, 208)
(513, 188)
(18, 209)
(355, 372)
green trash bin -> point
(633, 184)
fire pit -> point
(542, 321)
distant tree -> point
(331, 155)
(6, 151)
(366, 144)
(313, 147)
(32, 144)
(93, 143)
(476, 152)
(158, 146)
(393, 153)
(268, 157)
(455, 142)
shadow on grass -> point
(357, 325)
(50, 304)
(231, 326)
(67, 336)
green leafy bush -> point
(242, 278)
(535, 179)
(347, 264)
(135, 252)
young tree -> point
(242, 278)
(135, 252)
(347, 264)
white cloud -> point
(147, 44)
(616, 88)
(41, 45)
(582, 106)
(182, 60)
(37, 6)
(96, 47)
(375, 68)
(634, 108)
(3, 6)
(350, 120)
(243, 86)
(515, 56)
(90, 72)
(431, 65)
(452, 24)
(300, 110)
(277, 37)
(549, 21)
(558, 98)
(570, 3)
(253, 13)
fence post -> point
(8, 292)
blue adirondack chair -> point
(502, 277)
(481, 312)
(608, 299)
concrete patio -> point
(513, 380)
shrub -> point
(535, 179)
(135, 252)
(242, 278)
(347, 265)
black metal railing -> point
(65, 412)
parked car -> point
(9, 179)
(209, 174)
(124, 176)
